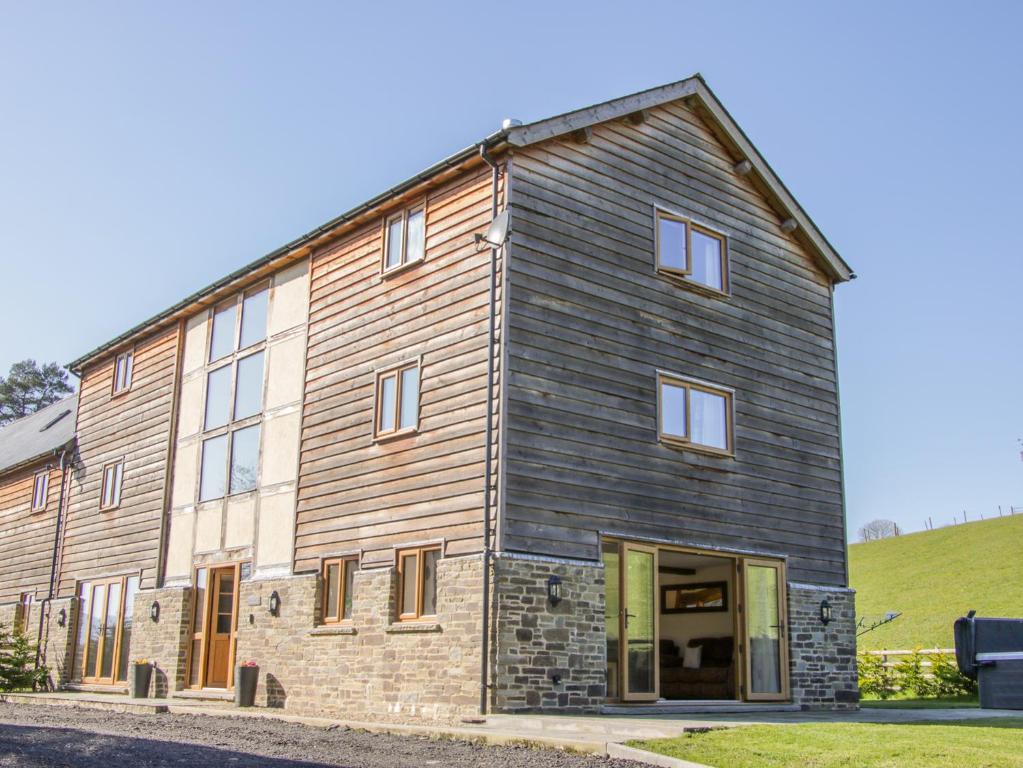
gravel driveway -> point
(58, 737)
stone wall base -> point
(548, 657)
(822, 659)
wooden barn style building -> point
(551, 426)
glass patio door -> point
(767, 675)
(640, 672)
(105, 617)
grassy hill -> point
(934, 577)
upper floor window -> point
(694, 414)
(405, 238)
(417, 582)
(122, 371)
(40, 490)
(338, 581)
(397, 409)
(691, 251)
(110, 492)
(234, 396)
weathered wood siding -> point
(134, 425)
(591, 322)
(357, 494)
(26, 536)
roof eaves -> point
(461, 156)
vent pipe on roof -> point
(510, 122)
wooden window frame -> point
(231, 360)
(116, 502)
(404, 262)
(117, 387)
(400, 555)
(378, 405)
(688, 384)
(344, 562)
(43, 476)
(685, 275)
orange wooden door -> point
(221, 628)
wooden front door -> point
(765, 633)
(639, 647)
(221, 626)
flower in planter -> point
(142, 662)
(249, 663)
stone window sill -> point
(340, 629)
(413, 626)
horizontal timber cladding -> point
(27, 536)
(134, 426)
(359, 494)
(590, 323)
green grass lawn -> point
(960, 702)
(985, 743)
(934, 577)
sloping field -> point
(934, 577)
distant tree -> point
(879, 529)
(29, 387)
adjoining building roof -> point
(692, 88)
(39, 434)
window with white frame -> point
(40, 490)
(397, 400)
(691, 251)
(233, 405)
(694, 414)
(110, 489)
(405, 238)
(122, 371)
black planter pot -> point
(245, 681)
(141, 674)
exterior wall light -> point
(61, 618)
(826, 614)
(275, 603)
(554, 589)
(154, 611)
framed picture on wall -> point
(703, 597)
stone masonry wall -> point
(58, 643)
(164, 642)
(372, 666)
(537, 642)
(822, 659)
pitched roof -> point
(707, 105)
(38, 434)
(693, 88)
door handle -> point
(627, 617)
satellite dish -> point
(498, 230)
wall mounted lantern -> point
(275, 603)
(61, 618)
(554, 589)
(826, 612)
(154, 611)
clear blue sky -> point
(149, 148)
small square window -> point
(404, 238)
(40, 491)
(691, 251)
(397, 408)
(694, 414)
(122, 371)
(417, 582)
(110, 492)
(338, 581)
